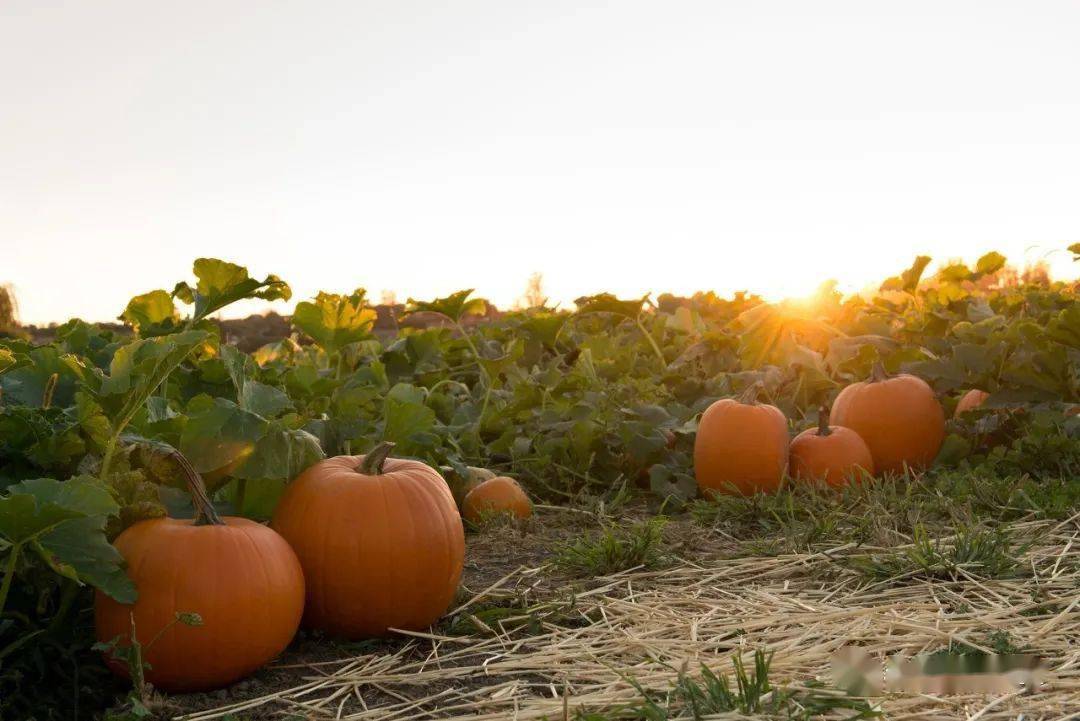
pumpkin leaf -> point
(152, 314)
(608, 303)
(78, 549)
(990, 263)
(281, 454)
(335, 321)
(64, 522)
(221, 283)
(219, 437)
(27, 378)
(137, 369)
(454, 306)
(407, 417)
(908, 281)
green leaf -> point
(954, 273)
(544, 327)
(992, 262)
(79, 550)
(26, 383)
(151, 314)
(221, 283)
(259, 398)
(37, 505)
(334, 321)
(406, 416)
(608, 303)
(1075, 250)
(8, 359)
(219, 438)
(138, 368)
(454, 306)
(908, 280)
(281, 454)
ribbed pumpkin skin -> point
(242, 578)
(742, 444)
(970, 400)
(899, 418)
(836, 459)
(497, 495)
(378, 552)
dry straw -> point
(647, 625)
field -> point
(631, 592)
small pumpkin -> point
(461, 485)
(898, 416)
(741, 446)
(970, 401)
(380, 540)
(497, 495)
(240, 577)
(833, 454)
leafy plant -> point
(614, 549)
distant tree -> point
(534, 292)
(388, 297)
(8, 308)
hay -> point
(647, 625)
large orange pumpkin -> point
(496, 495)
(240, 577)
(380, 540)
(970, 401)
(898, 417)
(741, 446)
(833, 454)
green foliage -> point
(454, 306)
(615, 549)
(751, 696)
(221, 284)
(335, 321)
(985, 553)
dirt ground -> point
(529, 641)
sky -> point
(633, 146)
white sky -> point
(626, 146)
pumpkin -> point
(741, 446)
(380, 541)
(496, 495)
(240, 577)
(461, 485)
(970, 401)
(833, 454)
(899, 418)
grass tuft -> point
(751, 696)
(986, 553)
(615, 549)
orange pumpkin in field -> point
(240, 577)
(970, 400)
(899, 418)
(497, 495)
(833, 454)
(380, 540)
(741, 446)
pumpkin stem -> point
(878, 373)
(205, 515)
(750, 394)
(823, 421)
(372, 465)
